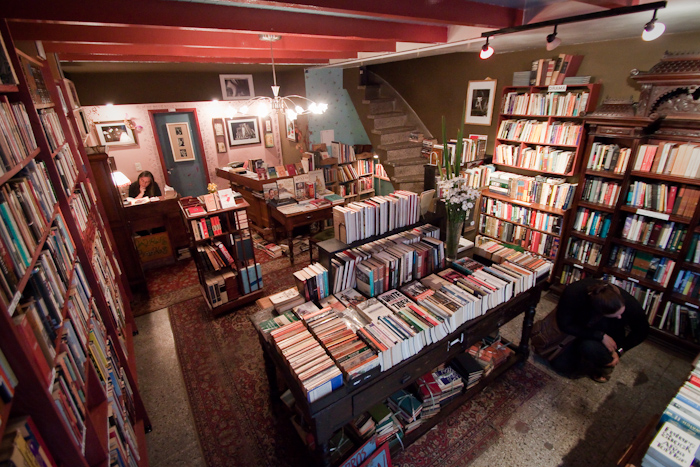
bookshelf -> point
(540, 135)
(67, 329)
(651, 229)
(222, 246)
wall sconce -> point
(552, 40)
(486, 50)
(653, 29)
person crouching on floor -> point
(606, 322)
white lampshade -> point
(120, 179)
(653, 30)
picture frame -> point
(220, 146)
(243, 130)
(218, 128)
(268, 126)
(236, 87)
(269, 140)
(480, 98)
(83, 124)
(180, 141)
(115, 134)
(291, 129)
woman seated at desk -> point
(144, 187)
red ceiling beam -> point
(52, 32)
(170, 59)
(224, 17)
(183, 51)
(457, 12)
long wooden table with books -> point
(331, 412)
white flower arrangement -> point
(458, 195)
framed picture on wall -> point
(115, 134)
(269, 140)
(480, 98)
(291, 130)
(243, 130)
(180, 141)
(220, 146)
(83, 124)
(234, 87)
(268, 126)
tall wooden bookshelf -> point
(636, 259)
(67, 329)
(540, 133)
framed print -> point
(291, 130)
(269, 140)
(180, 141)
(268, 126)
(218, 128)
(115, 134)
(243, 130)
(220, 146)
(480, 98)
(234, 87)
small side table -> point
(289, 221)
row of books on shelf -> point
(601, 191)
(347, 173)
(669, 199)
(365, 167)
(641, 264)
(215, 225)
(107, 279)
(219, 254)
(678, 430)
(22, 444)
(401, 322)
(52, 128)
(343, 152)
(522, 215)
(669, 158)
(571, 104)
(35, 80)
(479, 176)
(608, 157)
(211, 202)
(521, 236)
(80, 207)
(389, 262)
(330, 174)
(542, 158)
(375, 216)
(649, 299)
(693, 255)
(547, 191)
(227, 284)
(380, 172)
(584, 251)
(664, 235)
(498, 252)
(551, 71)
(687, 283)
(593, 223)
(67, 168)
(16, 136)
(542, 132)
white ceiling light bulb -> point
(298, 109)
(262, 110)
(653, 29)
(552, 40)
(292, 115)
(486, 50)
(244, 110)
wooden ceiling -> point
(313, 31)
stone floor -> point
(568, 423)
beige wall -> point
(436, 86)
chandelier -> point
(291, 106)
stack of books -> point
(286, 300)
(498, 252)
(363, 426)
(387, 427)
(407, 408)
(469, 368)
(283, 319)
(312, 282)
(490, 356)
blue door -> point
(188, 177)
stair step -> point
(394, 129)
(386, 115)
(401, 145)
(408, 179)
(378, 100)
(407, 161)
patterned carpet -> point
(238, 424)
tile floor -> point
(568, 423)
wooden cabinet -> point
(66, 328)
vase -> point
(454, 233)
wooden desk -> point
(163, 214)
(288, 222)
(328, 414)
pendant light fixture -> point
(552, 40)
(653, 29)
(486, 50)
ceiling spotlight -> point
(486, 50)
(552, 40)
(653, 29)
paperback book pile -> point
(316, 372)
(389, 262)
(677, 442)
(490, 356)
(387, 428)
(499, 252)
(278, 321)
(468, 368)
(312, 282)
(407, 408)
(437, 388)
(363, 426)
(375, 216)
(286, 300)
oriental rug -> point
(238, 424)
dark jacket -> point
(152, 190)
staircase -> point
(391, 122)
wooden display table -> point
(328, 414)
(289, 221)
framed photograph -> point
(291, 130)
(220, 146)
(243, 130)
(115, 134)
(480, 98)
(180, 141)
(234, 87)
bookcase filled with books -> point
(69, 376)
(355, 170)
(636, 217)
(222, 246)
(538, 151)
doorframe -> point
(151, 115)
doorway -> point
(186, 169)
